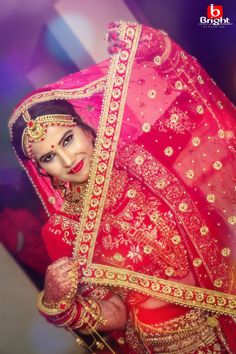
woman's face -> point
(65, 153)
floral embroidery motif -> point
(135, 254)
(138, 228)
(175, 120)
(61, 225)
(177, 197)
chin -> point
(80, 178)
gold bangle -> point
(91, 316)
(60, 307)
(64, 303)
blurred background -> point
(40, 42)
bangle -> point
(91, 317)
(65, 302)
(61, 307)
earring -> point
(58, 184)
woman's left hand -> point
(61, 280)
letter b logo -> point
(214, 11)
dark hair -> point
(49, 107)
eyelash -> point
(66, 141)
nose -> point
(66, 158)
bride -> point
(134, 160)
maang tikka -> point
(36, 129)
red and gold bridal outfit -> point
(160, 203)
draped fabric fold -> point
(160, 202)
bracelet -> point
(66, 302)
(91, 317)
(52, 311)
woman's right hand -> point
(61, 280)
(150, 41)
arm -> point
(62, 304)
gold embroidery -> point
(157, 60)
(184, 334)
(152, 94)
(195, 141)
(212, 321)
(232, 220)
(174, 118)
(131, 193)
(225, 252)
(51, 200)
(218, 283)
(200, 79)
(168, 151)
(146, 127)
(221, 134)
(190, 174)
(178, 85)
(197, 262)
(139, 160)
(200, 109)
(211, 198)
(183, 207)
(217, 165)
(124, 55)
(176, 239)
(118, 257)
(147, 249)
(204, 230)
(169, 271)
(81, 92)
(161, 183)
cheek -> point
(53, 169)
(83, 144)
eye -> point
(48, 158)
(68, 139)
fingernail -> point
(114, 35)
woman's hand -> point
(61, 280)
(149, 41)
(114, 43)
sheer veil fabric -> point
(162, 125)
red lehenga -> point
(160, 202)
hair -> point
(44, 108)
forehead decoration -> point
(36, 129)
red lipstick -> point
(77, 167)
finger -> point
(113, 50)
(114, 24)
(113, 35)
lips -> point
(77, 167)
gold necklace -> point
(74, 198)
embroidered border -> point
(105, 146)
(166, 290)
(81, 92)
(105, 150)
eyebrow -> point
(59, 143)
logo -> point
(214, 17)
(214, 11)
